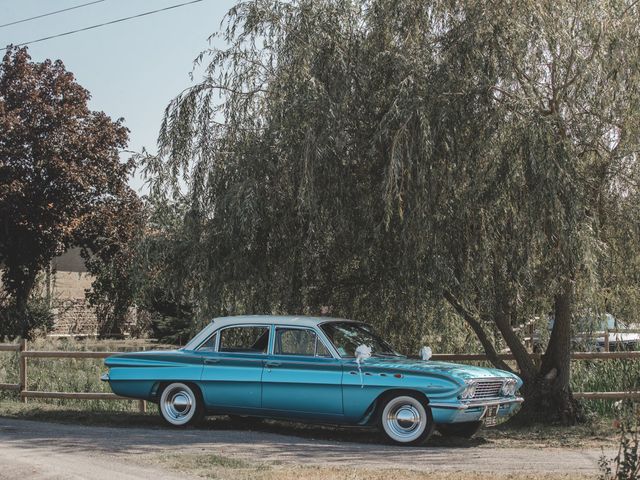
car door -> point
(300, 374)
(233, 362)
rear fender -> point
(137, 375)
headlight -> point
(469, 391)
(509, 388)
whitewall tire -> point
(181, 405)
(406, 419)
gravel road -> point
(42, 450)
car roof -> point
(221, 322)
(275, 319)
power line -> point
(103, 24)
(50, 13)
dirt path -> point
(30, 449)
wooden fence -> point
(23, 389)
(25, 393)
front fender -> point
(362, 388)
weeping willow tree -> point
(376, 158)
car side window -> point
(297, 341)
(244, 339)
(209, 345)
(321, 350)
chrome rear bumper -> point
(104, 377)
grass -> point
(217, 467)
(604, 376)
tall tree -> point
(61, 180)
(378, 156)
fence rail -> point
(25, 393)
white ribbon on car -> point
(425, 353)
(362, 353)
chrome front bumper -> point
(476, 404)
(472, 411)
(104, 377)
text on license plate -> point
(491, 416)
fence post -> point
(606, 340)
(22, 363)
(142, 406)
(530, 332)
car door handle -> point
(272, 364)
(211, 361)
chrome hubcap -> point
(407, 418)
(403, 420)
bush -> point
(626, 465)
(12, 322)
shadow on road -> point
(332, 433)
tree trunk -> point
(548, 397)
(477, 328)
(22, 291)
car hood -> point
(431, 367)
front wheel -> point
(406, 420)
(181, 405)
(462, 429)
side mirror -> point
(425, 353)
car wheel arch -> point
(371, 413)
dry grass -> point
(218, 467)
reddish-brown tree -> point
(59, 167)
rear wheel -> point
(405, 419)
(181, 405)
(462, 429)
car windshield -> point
(347, 336)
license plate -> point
(491, 416)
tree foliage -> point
(382, 157)
(61, 180)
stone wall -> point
(73, 317)
(68, 284)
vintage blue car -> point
(312, 369)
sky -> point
(133, 68)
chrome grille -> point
(488, 389)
